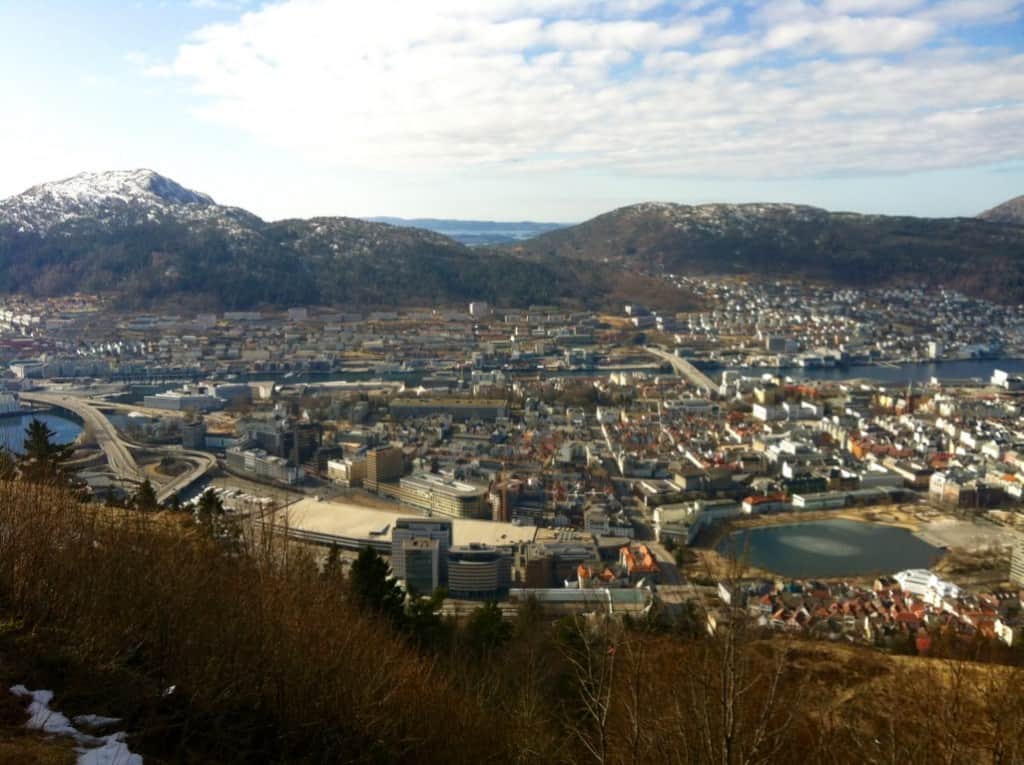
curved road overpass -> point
(122, 463)
(117, 450)
(203, 463)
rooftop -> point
(355, 522)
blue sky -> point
(542, 109)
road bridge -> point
(684, 369)
(202, 463)
(119, 457)
(118, 450)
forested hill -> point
(146, 240)
(981, 257)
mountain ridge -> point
(779, 240)
(144, 238)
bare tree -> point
(590, 650)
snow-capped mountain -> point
(111, 198)
(143, 238)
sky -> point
(553, 110)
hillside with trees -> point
(259, 651)
(983, 258)
(144, 240)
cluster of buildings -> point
(785, 324)
(555, 451)
(910, 606)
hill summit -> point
(1011, 211)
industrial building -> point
(182, 400)
(262, 465)
(456, 408)
(437, 495)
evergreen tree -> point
(43, 459)
(215, 522)
(374, 589)
(145, 497)
(423, 620)
(487, 629)
(209, 506)
(332, 566)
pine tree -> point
(423, 621)
(332, 566)
(374, 589)
(43, 459)
(487, 629)
(209, 507)
(145, 498)
(215, 522)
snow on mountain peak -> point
(105, 196)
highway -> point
(203, 463)
(117, 450)
(684, 369)
(121, 461)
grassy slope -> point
(271, 663)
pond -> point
(830, 548)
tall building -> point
(383, 464)
(1017, 562)
(533, 566)
(439, 529)
(297, 441)
(421, 562)
(478, 571)
(193, 433)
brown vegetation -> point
(269, 661)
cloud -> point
(783, 88)
(886, 7)
(975, 11)
(847, 35)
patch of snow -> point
(113, 751)
(96, 721)
(41, 716)
(92, 750)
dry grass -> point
(18, 748)
(270, 663)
